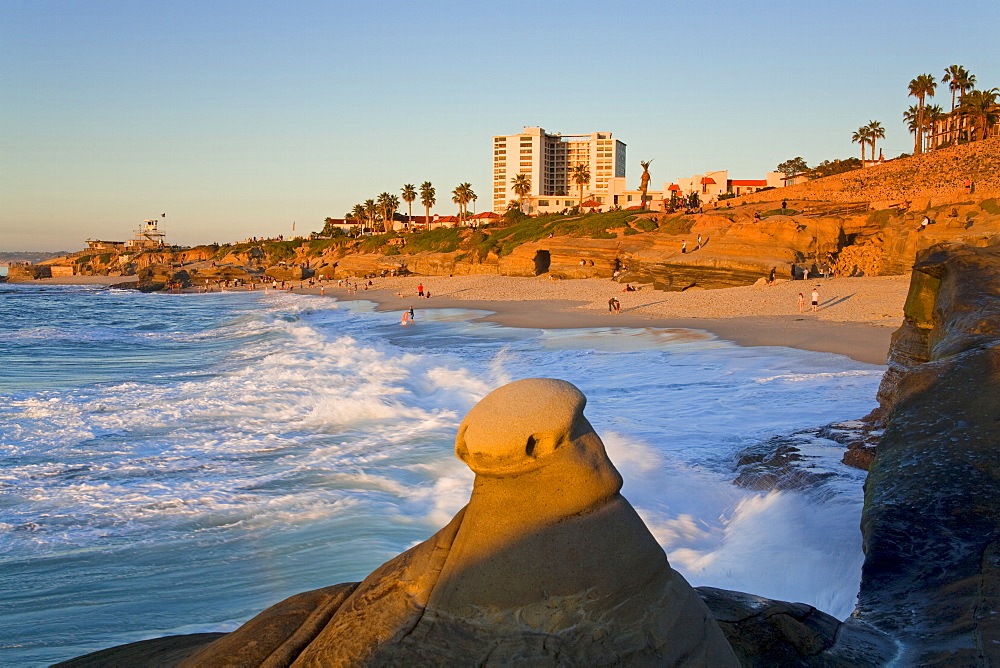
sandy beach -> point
(856, 316)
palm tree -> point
(912, 118)
(387, 205)
(981, 107)
(462, 195)
(581, 176)
(921, 87)
(409, 194)
(427, 199)
(393, 207)
(521, 187)
(371, 211)
(932, 114)
(358, 212)
(644, 180)
(875, 132)
(861, 137)
(959, 80)
(382, 203)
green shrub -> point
(281, 250)
(374, 243)
(317, 246)
(629, 231)
(392, 250)
(677, 225)
(441, 240)
(644, 224)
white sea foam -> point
(279, 443)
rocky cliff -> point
(931, 523)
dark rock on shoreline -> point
(931, 522)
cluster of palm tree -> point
(980, 107)
(375, 213)
(868, 134)
(461, 196)
(380, 213)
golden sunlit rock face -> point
(547, 564)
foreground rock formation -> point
(547, 565)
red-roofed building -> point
(744, 186)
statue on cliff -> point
(547, 565)
(644, 180)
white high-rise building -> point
(546, 159)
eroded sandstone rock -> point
(547, 565)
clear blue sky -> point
(238, 118)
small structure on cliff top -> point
(147, 236)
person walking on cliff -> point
(770, 277)
(684, 247)
(815, 299)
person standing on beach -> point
(684, 247)
(802, 303)
(815, 299)
(420, 290)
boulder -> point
(764, 632)
(547, 565)
(283, 272)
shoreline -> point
(861, 342)
(863, 336)
(856, 318)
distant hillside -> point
(937, 174)
(8, 257)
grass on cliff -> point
(441, 240)
(503, 240)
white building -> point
(547, 161)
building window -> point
(543, 202)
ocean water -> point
(176, 463)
